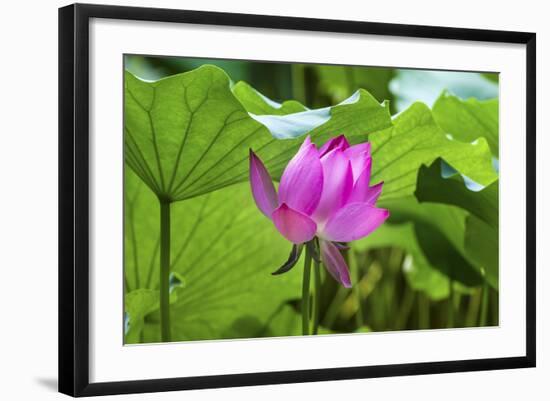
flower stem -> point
(305, 292)
(165, 271)
(317, 296)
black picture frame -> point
(74, 198)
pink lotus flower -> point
(323, 193)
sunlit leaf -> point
(256, 103)
(468, 120)
(414, 140)
(182, 131)
(137, 304)
(141, 302)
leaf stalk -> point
(165, 332)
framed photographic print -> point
(250, 199)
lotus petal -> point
(337, 184)
(359, 156)
(302, 181)
(262, 186)
(294, 225)
(335, 263)
(353, 221)
(339, 142)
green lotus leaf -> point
(415, 139)
(481, 226)
(481, 244)
(453, 190)
(138, 304)
(468, 120)
(256, 103)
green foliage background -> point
(188, 129)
